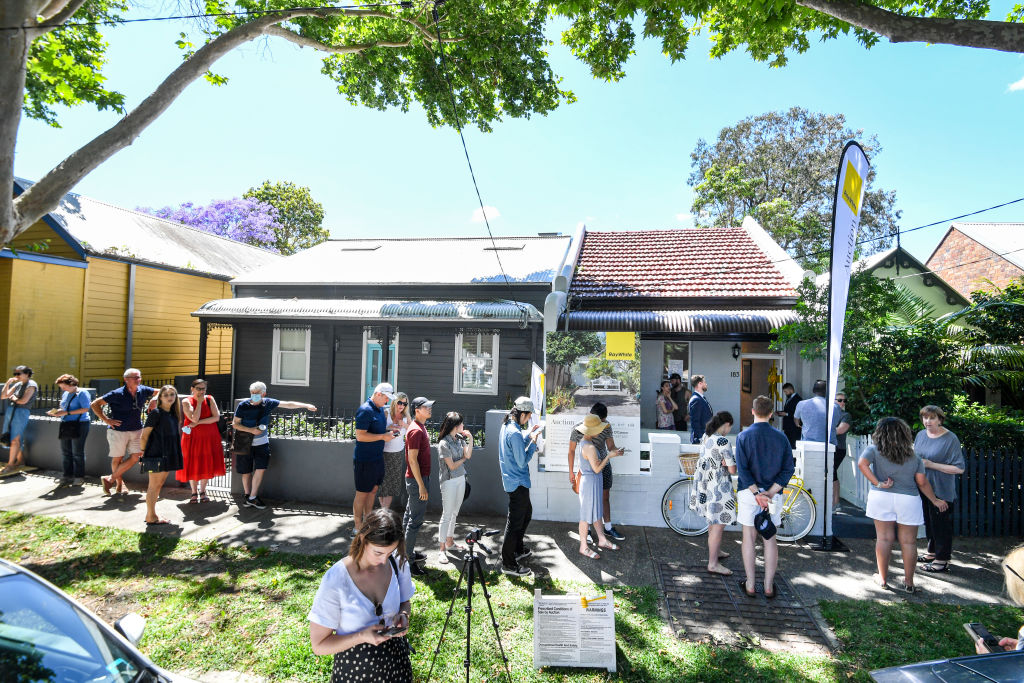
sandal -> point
(909, 589)
(193, 499)
(925, 558)
(590, 553)
(743, 587)
(610, 546)
(443, 559)
(203, 498)
(935, 568)
(107, 483)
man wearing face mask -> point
(253, 416)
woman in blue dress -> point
(591, 485)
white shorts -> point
(886, 506)
(749, 508)
(124, 443)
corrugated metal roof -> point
(112, 231)
(413, 260)
(369, 309)
(684, 322)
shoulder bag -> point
(241, 442)
(70, 429)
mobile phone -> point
(980, 633)
(391, 631)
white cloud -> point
(478, 215)
(684, 217)
(1019, 85)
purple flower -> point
(243, 220)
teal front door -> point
(375, 365)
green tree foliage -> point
(780, 168)
(898, 355)
(600, 367)
(562, 349)
(299, 216)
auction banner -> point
(851, 178)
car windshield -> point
(44, 638)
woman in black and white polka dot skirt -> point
(361, 600)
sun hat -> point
(591, 425)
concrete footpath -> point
(319, 529)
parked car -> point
(48, 636)
(1001, 667)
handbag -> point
(241, 442)
(468, 489)
(69, 429)
(764, 524)
(575, 477)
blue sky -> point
(948, 119)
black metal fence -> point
(303, 425)
(990, 495)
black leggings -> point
(939, 527)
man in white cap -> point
(515, 449)
(368, 459)
(417, 479)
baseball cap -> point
(523, 404)
(386, 389)
(421, 402)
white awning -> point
(256, 308)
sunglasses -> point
(378, 611)
(401, 403)
(199, 388)
(840, 400)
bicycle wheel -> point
(798, 515)
(675, 509)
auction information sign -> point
(567, 634)
(625, 432)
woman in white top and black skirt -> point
(360, 614)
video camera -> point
(473, 538)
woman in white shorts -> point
(896, 474)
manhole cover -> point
(704, 606)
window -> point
(291, 356)
(476, 363)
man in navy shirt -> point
(368, 459)
(253, 416)
(699, 409)
(764, 463)
(124, 436)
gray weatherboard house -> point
(434, 316)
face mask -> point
(255, 398)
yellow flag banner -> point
(620, 345)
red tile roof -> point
(676, 264)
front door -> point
(761, 374)
(374, 366)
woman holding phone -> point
(454, 448)
(394, 451)
(360, 614)
(591, 510)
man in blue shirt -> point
(515, 449)
(368, 458)
(764, 463)
(811, 415)
(253, 416)
(124, 436)
(699, 409)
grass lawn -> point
(214, 608)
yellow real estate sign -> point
(620, 345)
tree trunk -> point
(992, 35)
(14, 45)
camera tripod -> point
(473, 571)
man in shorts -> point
(253, 416)
(603, 442)
(764, 462)
(124, 436)
(368, 458)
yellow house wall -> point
(44, 317)
(165, 340)
(41, 232)
(105, 314)
(6, 270)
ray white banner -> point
(848, 202)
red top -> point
(418, 438)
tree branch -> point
(56, 12)
(993, 35)
(46, 194)
(303, 41)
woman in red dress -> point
(200, 442)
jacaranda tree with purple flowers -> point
(245, 220)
